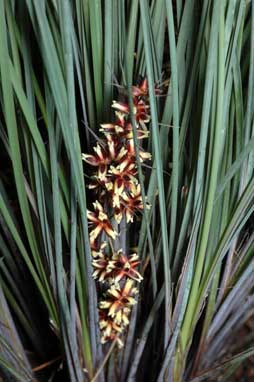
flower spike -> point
(115, 183)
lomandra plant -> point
(135, 263)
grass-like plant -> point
(62, 64)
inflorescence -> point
(118, 198)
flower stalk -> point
(117, 190)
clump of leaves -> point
(61, 65)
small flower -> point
(123, 128)
(119, 301)
(100, 265)
(110, 329)
(116, 267)
(122, 266)
(101, 185)
(101, 222)
(141, 132)
(115, 149)
(100, 157)
(117, 128)
(125, 170)
(124, 180)
(130, 204)
(108, 326)
(121, 106)
(111, 128)
(140, 109)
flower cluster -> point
(118, 197)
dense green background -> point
(61, 64)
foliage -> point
(61, 65)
